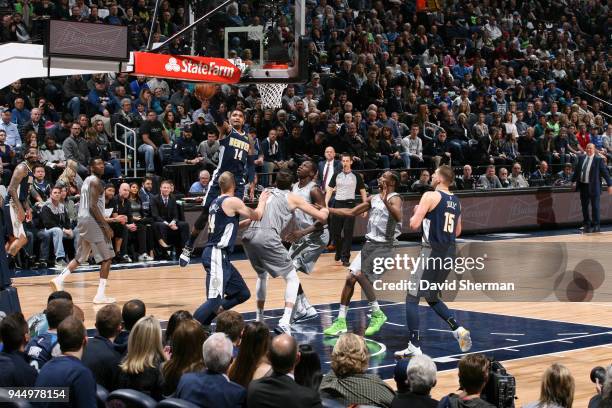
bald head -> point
(284, 354)
(124, 190)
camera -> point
(501, 386)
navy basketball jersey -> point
(41, 349)
(221, 227)
(25, 185)
(440, 224)
(233, 156)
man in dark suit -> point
(101, 355)
(280, 389)
(587, 178)
(211, 387)
(328, 167)
(166, 224)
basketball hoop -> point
(271, 94)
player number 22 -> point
(449, 222)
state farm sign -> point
(186, 68)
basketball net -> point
(271, 94)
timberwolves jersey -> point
(382, 227)
(233, 155)
(303, 220)
(221, 227)
(25, 185)
(439, 225)
(277, 213)
(84, 201)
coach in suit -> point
(211, 387)
(166, 224)
(587, 178)
(280, 389)
(328, 167)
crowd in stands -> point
(238, 365)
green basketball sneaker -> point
(376, 321)
(338, 327)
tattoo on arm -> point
(20, 173)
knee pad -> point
(293, 283)
(261, 286)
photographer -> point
(473, 376)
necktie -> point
(585, 169)
(324, 181)
(165, 201)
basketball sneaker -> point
(304, 314)
(337, 328)
(185, 256)
(283, 328)
(56, 284)
(409, 351)
(103, 300)
(463, 338)
(376, 323)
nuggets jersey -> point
(221, 227)
(303, 220)
(25, 185)
(84, 201)
(439, 225)
(233, 156)
(382, 227)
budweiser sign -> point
(186, 68)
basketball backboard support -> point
(274, 52)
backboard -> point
(274, 50)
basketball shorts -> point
(18, 230)
(433, 269)
(306, 251)
(92, 242)
(364, 261)
(220, 273)
(266, 252)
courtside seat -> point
(175, 403)
(101, 396)
(132, 398)
(7, 402)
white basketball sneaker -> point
(463, 338)
(409, 351)
(56, 284)
(103, 300)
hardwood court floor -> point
(167, 289)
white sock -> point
(286, 316)
(374, 306)
(101, 288)
(342, 312)
(259, 314)
(64, 274)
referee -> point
(346, 184)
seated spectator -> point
(211, 387)
(422, 184)
(152, 137)
(16, 371)
(140, 369)
(540, 177)
(175, 319)
(187, 339)
(146, 195)
(52, 158)
(67, 370)
(503, 177)
(132, 312)
(118, 223)
(419, 379)
(142, 220)
(564, 177)
(11, 132)
(557, 388)
(390, 153)
(231, 323)
(349, 364)
(252, 361)
(38, 324)
(168, 228)
(42, 348)
(473, 375)
(280, 389)
(466, 181)
(308, 371)
(41, 189)
(517, 180)
(209, 149)
(186, 149)
(489, 180)
(412, 148)
(56, 228)
(100, 143)
(35, 124)
(75, 148)
(101, 355)
(136, 235)
(201, 186)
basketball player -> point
(309, 239)
(384, 226)
(233, 155)
(439, 213)
(225, 287)
(95, 235)
(264, 248)
(19, 209)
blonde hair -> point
(557, 386)
(144, 346)
(69, 173)
(350, 355)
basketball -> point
(205, 90)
